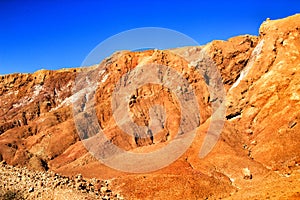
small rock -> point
(106, 198)
(254, 142)
(118, 196)
(249, 131)
(247, 174)
(79, 177)
(103, 189)
(3, 163)
(78, 186)
(31, 189)
(290, 125)
(280, 40)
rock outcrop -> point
(258, 146)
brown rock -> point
(37, 164)
(247, 173)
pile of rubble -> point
(21, 183)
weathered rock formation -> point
(261, 132)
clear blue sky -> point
(54, 34)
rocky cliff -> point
(256, 156)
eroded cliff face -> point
(267, 99)
(261, 132)
(30, 115)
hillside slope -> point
(256, 156)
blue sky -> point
(53, 34)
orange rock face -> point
(256, 156)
